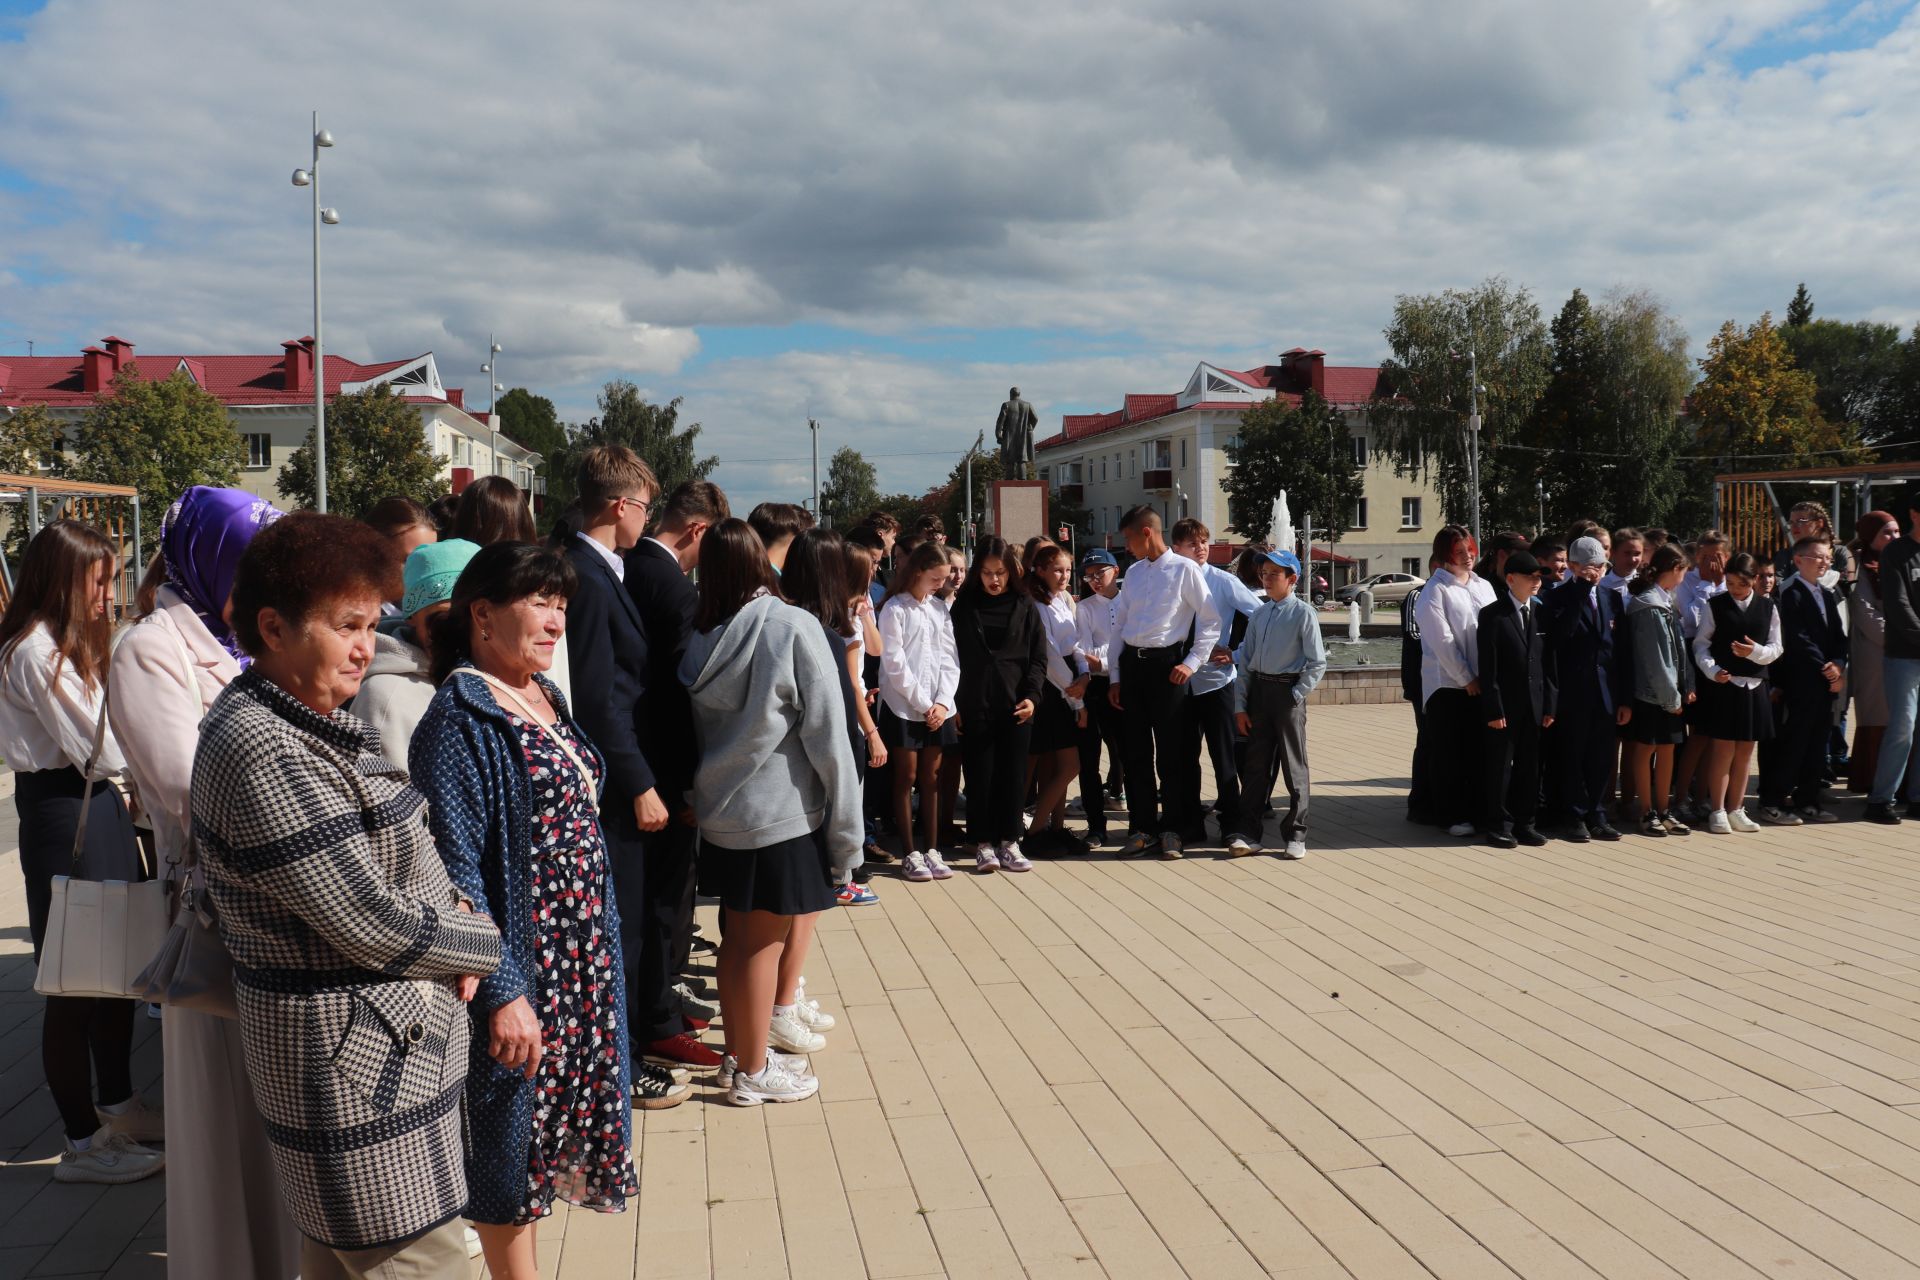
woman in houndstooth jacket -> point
(352, 950)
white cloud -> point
(1215, 178)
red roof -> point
(234, 380)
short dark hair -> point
(1142, 514)
(867, 536)
(499, 574)
(1508, 541)
(1188, 527)
(733, 569)
(1627, 533)
(1586, 529)
(884, 521)
(492, 509)
(776, 520)
(693, 500)
(442, 511)
(1656, 536)
(930, 526)
(304, 561)
(1742, 564)
(815, 578)
(393, 516)
(1547, 545)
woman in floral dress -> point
(512, 785)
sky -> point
(884, 216)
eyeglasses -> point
(645, 505)
(1812, 558)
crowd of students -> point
(1623, 675)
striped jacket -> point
(345, 932)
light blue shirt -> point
(1283, 638)
(1230, 596)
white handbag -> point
(100, 933)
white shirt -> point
(1448, 612)
(1093, 628)
(1691, 600)
(919, 663)
(1613, 582)
(48, 721)
(1160, 601)
(1064, 659)
(608, 554)
(1819, 596)
(1230, 596)
(1763, 654)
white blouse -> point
(47, 721)
(919, 663)
(1064, 659)
(1762, 655)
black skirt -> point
(791, 878)
(1655, 726)
(48, 802)
(902, 734)
(1056, 726)
(1733, 714)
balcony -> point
(1072, 491)
(1158, 479)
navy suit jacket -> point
(606, 653)
(666, 601)
(1516, 673)
(1582, 645)
(1811, 641)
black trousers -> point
(1104, 728)
(1793, 764)
(1581, 749)
(1420, 803)
(1511, 776)
(993, 756)
(1210, 720)
(1156, 712)
(1454, 733)
(653, 886)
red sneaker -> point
(682, 1050)
(695, 1024)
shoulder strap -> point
(559, 739)
(86, 792)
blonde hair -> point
(611, 471)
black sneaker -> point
(1529, 837)
(656, 1090)
(1882, 814)
(1575, 832)
(1501, 840)
(1603, 830)
(1650, 825)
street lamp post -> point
(310, 177)
(492, 369)
(967, 536)
(813, 426)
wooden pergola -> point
(114, 509)
(1748, 506)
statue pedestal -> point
(1018, 510)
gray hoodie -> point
(775, 762)
(396, 690)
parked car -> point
(1320, 591)
(1387, 588)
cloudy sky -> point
(881, 216)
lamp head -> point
(330, 216)
(498, 387)
(486, 368)
(496, 348)
(301, 178)
(323, 139)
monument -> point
(1017, 505)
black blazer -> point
(606, 651)
(1580, 646)
(667, 601)
(1516, 673)
(993, 681)
(1811, 641)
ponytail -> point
(1665, 559)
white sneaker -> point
(1461, 829)
(1739, 821)
(786, 1031)
(937, 864)
(143, 1123)
(774, 1083)
(1718, 824)
(1170, 846)
(792, 1064)
(808, 1011)
(986, 860)
(1011, 859)
(1295, 850)
(111, 1158)
(914, 866)
(1238, 846)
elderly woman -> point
(225, 1216)
(399, 684)
(513, 786)
(1867, 658)
(352, 951)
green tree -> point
(851, 488)
(160, 437)
(1419, 415)
(1752, 400)
(1854, 366)
(1303, 448)
(531, 422)
(29, 437)
(651, 430)
(949, 500)
(376, 447)
(1800, 307)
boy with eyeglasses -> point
(1809, 675)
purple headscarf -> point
(201, 539)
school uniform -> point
(1449, 616)
(1210, 693)
(1166, 619)
(1582, 620)
(1737, 710)
(1056, 722)
(1093, 631)
(1792, 767)
(1003, 662)
(1652, 671)
(1277, 665)
(1517, 686)
(1420, 785)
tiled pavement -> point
(1405, 1057)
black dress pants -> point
(1582, 747)
(1512, 776)
(1210, 719)
(1156, 712)
(993, 757)
(1793, 771)
(1454, 731)
(1104, 728)
(653, 879)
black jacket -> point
(1580, 646)
(993, 681)
(667, 600)
(1516, 672)
(1811, 641)
(1899, 584)
(606, 649)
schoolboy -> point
(1278, 664)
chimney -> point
(119, 351)
(297, 365)
(1314, 364)
(96, 370)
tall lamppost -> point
(310, 177)
(491, 368)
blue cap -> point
(1286, 560)
(1099, 555)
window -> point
(1410, 566)
(1159, 455)
(1359, 516)
(1103, 470)
(1183, 453)
(1409, 513)
(1359, 451)
(259, 449)
(459, 451)
(1233, 444)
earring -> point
(485, 634)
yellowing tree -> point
(1753, 402)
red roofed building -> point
(269, 399)
(1170, 450)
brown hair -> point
(1187, 528)
(1144, 514)
(391, 517)
(146, 597)
(493, 509)
(733, 569)
(884, 521)
(1711, 538)
(859, 567)
(1446, 540)
(499, 574)
(923, 558)
(303, 562)
(610, 471)
(1037, 587)
(1032, 548)
(1586, 529)
(773, 521)
(988, 548)
(1818, 510)
(1665, 559)
(691, 501)
(815, 578)
(54, 587)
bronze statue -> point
(1014, 433)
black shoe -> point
(1882, 814)
(1575, 832)
(1529, 837)
(703, 946)
(1501, 840)
(1603, 830)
